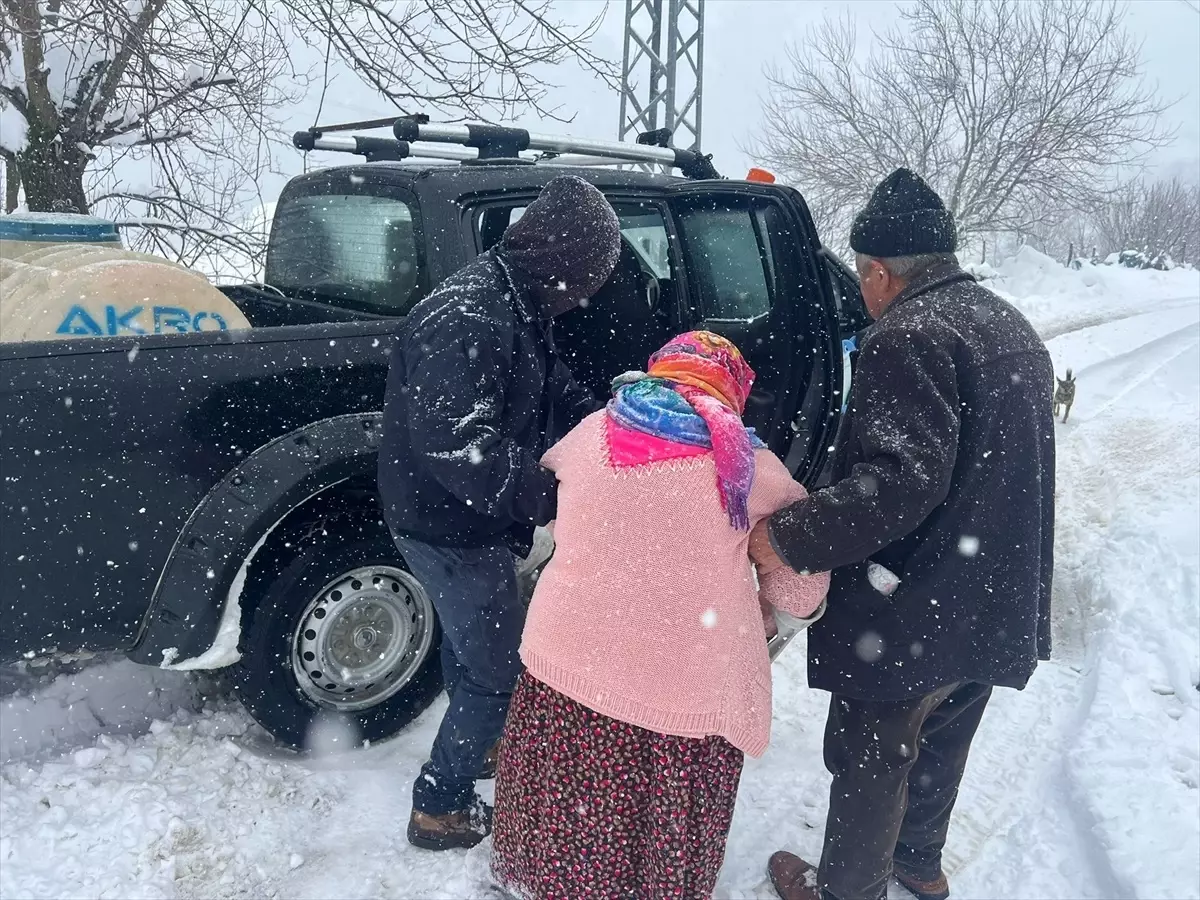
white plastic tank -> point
(65, 275)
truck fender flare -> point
(231, 522)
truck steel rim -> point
(362, 638)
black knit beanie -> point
(566, 245)
(904, 217)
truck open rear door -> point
(752, 260)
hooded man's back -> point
(481, 393)
(476, 394)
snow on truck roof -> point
(516, 173)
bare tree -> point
(1157, 219)
(1014, 111)
(161, 113)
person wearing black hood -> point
(476, 394)
(939, 529)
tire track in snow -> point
(1012, 806)
(1087, 457)
(1085, 824)
(1109, 459)
(1162, 352)
(1057, 328)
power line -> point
(1191, 5)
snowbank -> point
(73, 710)
(1058, 300)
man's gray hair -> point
(907, 266)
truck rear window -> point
(355, 250)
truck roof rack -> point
(415, 137)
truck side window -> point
(729, 260)
(631, 316)
(645, 230)
(356, 250)
(642, 225)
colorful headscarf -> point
(694, 393)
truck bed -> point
(109, 444)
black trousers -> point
(896, 768)
(474, 590)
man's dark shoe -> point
(490, 763)
(458, 830)
(792, 877)
(937, 889)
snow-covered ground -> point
(1086, 785)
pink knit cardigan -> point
(648, 612)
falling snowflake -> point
(869, 647)
(709, 618)
(968, 545)
(869, 484)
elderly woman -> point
(647, 675)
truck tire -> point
(338, 630)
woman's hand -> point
(762, 552)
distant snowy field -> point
(125, 782)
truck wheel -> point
(337, 627)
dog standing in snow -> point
(1064, 394)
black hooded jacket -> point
(476, 392)
(944, 474)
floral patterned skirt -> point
(589, 807)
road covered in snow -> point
(128, 782)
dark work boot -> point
(792, 877)
(458, 830)
(937, 889)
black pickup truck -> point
(207, 500)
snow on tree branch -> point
(1160, 219)
(167, 110)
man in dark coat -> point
(939, 529)
(476, 394)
